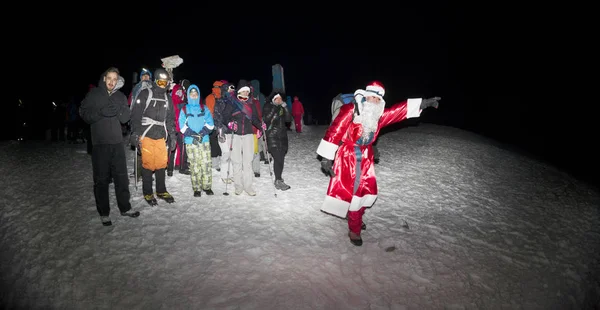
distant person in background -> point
(288, 123)
(297, 113)
(72, 121)
(59, 120)
(87, 132)
(347, 152)
(105, 109)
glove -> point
(327, 167)
(232, 126)
(110, 110)
(430, 102)
(197, 138)
(221, 136)
(134, 140)
(284, 105)
(259, 134)
(263, 126)
(188, 132)
(172, 143)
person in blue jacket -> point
(196, 123)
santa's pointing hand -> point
(430, 102)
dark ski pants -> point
(183, 163)
(278, 158)
(108, 160)
(147, 181)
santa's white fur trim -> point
(335, 206)
(364, 201)
(245, 88)
(413, 107)
(375, 90)
(340, 207)
(327, 149)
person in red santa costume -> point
(347, 153)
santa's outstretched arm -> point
(407, 109)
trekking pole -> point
(264, 139)
(135, 172)
(228, 165)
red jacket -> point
(297, 107)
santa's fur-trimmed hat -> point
(374, 89)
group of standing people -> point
(159, 125)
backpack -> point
(137, 89)
(339, 101)
(146, 120)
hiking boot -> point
(106, 220)
(209, 191)
(197, 194)
(256, 175)
(279, 184)
(150, 200)
(170, 173)
(355, 239)
(185, 171)
(166, 197)
(239, 191)
(251, 192)
(131, 213)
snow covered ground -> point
(461, 223)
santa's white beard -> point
(369, 117)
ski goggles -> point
(162, 83)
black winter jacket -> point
(275, 117)
(104, 129)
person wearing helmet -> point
(347, 152)
(153, 131)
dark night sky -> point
(503, 71)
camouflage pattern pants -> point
(200, 165)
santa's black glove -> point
(327, 167)
(430, 102)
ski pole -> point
(264, 139)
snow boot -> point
(209, 191)
(166, 197)
(150, 200)
(197, 194)
(279, 184)
(355, 239)
(106, 220)
(131, 213)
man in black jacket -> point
(105, 109)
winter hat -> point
(375, 89)
(185, 83)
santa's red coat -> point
(340, 144)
